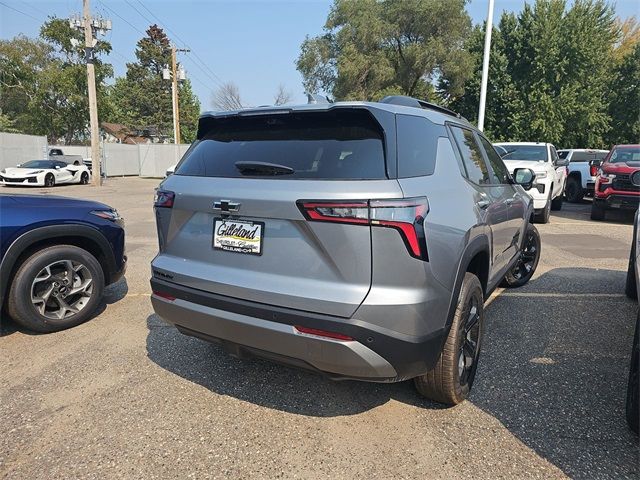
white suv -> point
(550, 170)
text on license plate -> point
(238, 236)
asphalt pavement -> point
(127, 396)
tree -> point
(227, 97)
(282, 95)
(45, 82)
(624, 106)
(143, 98)
(375, 48)
(550, 68)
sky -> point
(251, 43)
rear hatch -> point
(236, 226)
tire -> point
(49, 180)
(525, 267)
(445, 383)
(633, 386)
(543, 216)
(556, 203)
(41, 318)
(84, 178)
(574, 191)
(598, 210)
(630, 287)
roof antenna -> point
(314, 98)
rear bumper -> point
(252, 329)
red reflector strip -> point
(322, 333)
(164, 295)
(315, 215)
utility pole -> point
(176, 75)
(92, 27)
(485, 66)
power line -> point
(21, 12)
(122, 18)
(139, 12)
(204, 68)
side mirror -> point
(524, 177)
(562, 162)
(19, 165)
(57, 167)
(595, 163)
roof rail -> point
(416, 103)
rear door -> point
(492, 200)
(236, 227)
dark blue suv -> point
(56, 256)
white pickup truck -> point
(550, 170)
(582, 172)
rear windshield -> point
(587, 156)
(335, 145)
(533, 153)
(625, 155)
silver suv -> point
(355, 239)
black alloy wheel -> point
(470, 344)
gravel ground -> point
(127, 396)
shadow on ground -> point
(553, 372)
(582, 212)
(112, 294)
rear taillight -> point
(593, 171)
(404, 215)
(164, 198)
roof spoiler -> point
(416, 103)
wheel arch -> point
(476, 258)
(81, 236)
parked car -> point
(355, 239)
(550, 170)
(44, 173)
(582, 171)
(633, 292)
(56, 256)
(58, 154)
(618, 181)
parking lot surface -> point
(126, 396)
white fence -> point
(16, 148)
(145, 160)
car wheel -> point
(452, 378)
(574, 191)
(49, 180)
(526, 265)
(633, 387)
(56, 288)
(630, 287)
(556, 203)
(543, 216)
(598, 210)
(84, 178)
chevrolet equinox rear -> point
(358, 240)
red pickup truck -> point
(618, 181)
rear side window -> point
(335, 145)
(417, 145)
(472, 159)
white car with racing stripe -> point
(44, 173)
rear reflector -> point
(164, 295)
(405, 215)
(322, 333)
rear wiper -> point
(263, 168)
